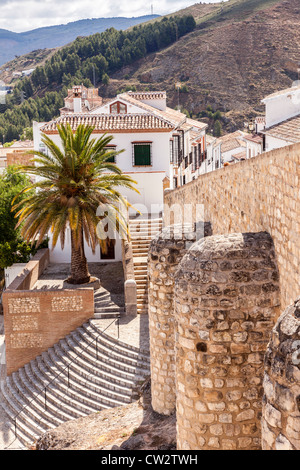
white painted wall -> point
(149, 181)
(12, 272)
(131, 109)
(59, 255)
(253, 149)
(282, 107)
(227, 156)
(273, 143)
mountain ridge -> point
(235, 57)
(14, 44)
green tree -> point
(12, 248)
(217, 129)
(27, 134)
(73, 184)
(105, 79)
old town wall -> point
(260, 194)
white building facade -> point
(154, 140)
(282, 118)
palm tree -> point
(71, 185)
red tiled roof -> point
(148, 95)
(111, 123)
(254, 138)
(288, 130)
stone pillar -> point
(226, 304)
(130, 297)
(165, 253)
(281, 403)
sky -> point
(24, 15)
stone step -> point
(140, 251)
(44, 404)
(24, 428)
(35, 410)
(65, 412)
(125, 352)
(102, 390)
(106, 316)
(67, 390)
(110, 308)
(143, 224)
(140, 243)
(81, 377)
(85, 364)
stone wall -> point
(18, 157)
(31, 272)
(226, 303)
(260, 194)
(34, 320)
(281, 404)
(165, 253)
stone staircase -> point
(104, 306)
(142, 231)
(85, 372)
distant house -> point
(81, 99)
(282, 118)
(231, 145)
(254, 145)
(16, 154)
(26, 73)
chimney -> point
(77, 102)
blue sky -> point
(24, 15)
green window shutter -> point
(142, 155)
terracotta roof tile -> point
(148, 95)
(111, 123)
(288, 130)
(254, 138)
(232, 141)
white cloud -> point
(24, 15)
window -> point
(171, 151)
(111, 148)
(110, 250)
(142, 155)
(118, 108)
(176, 149)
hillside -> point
(239, 53)
(12, 44)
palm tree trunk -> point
(79, 266)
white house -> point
(254, 145)
(282, 119)
(155, 140)
(233, 147)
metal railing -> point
(66, 368)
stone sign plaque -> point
(67, 304)
(25, 340)
(23, 305)
(24, 322)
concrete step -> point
(83, 373)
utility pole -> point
(94, 76)
(178, 86)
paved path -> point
(132, 330)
